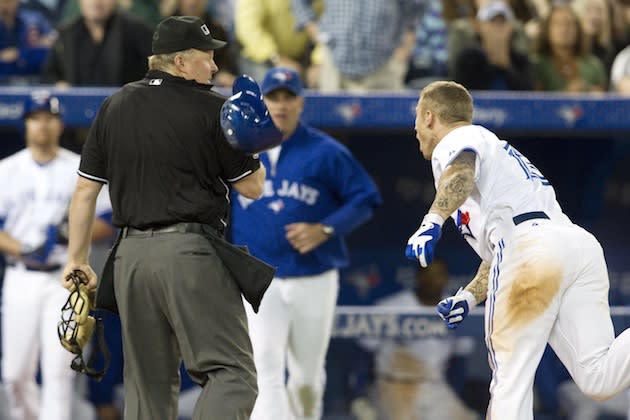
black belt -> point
(42, 269)
(183, 227)
(529, 216)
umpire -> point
(159, 145)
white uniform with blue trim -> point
(411, 373)
(34, 197)
(548, 280)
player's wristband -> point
(433, 218)
(470, 298)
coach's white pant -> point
(31, 309)
(549, 282)
(294, 324)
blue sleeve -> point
(106, 217)
(32, 58)
(356, 191)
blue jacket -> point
(30, 58)
(316, 180)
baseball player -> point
(411, 373)
(544, 278)
(315, 193)
(37, 185)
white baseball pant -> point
(549, 283)
(294, 324)
(31, 309)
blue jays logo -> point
(282, 76)
(276, 205)
(570, 114)
(463, 220)
(365, 279)
(349, 111)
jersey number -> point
(531, 172)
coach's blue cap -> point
(282, 78)
(41, 101)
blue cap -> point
(282, 78)
(41, 101)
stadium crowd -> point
(562, 46)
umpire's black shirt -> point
(159, 144)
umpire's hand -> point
(88, 275)
(305, 237)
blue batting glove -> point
(453, 310)
(421, 244)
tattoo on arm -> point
(456, 184)
(478, 286)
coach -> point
(159, 145)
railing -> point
(523, 112)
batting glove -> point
(454, 309)
(421, 244)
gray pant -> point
(177, 301)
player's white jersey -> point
(419, 359)
(35, 196)
(507, 184)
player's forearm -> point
(478, 286)
(455, 186)
(9, 245)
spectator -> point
(362, 45)
(465, 33)
(595, 18)
(101, 47)
(458, 9)
(562, 64)
(223, 11)
(531, 13)
(620, 22)
(429, 56)
(52, 10)
(494, 63)
(25, 39)
(149, 11)
(620, 73)
(223, 57)
(412, 373)
(264, 28)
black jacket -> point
(125, 49)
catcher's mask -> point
(77, 327)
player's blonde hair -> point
(449, 101)
(166, 62)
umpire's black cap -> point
(179, 33)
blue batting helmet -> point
(245, 119)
